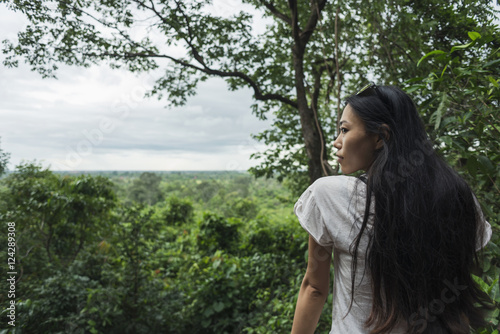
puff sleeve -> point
(483, 240)
(322, 209)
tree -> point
(175, 211)
(55, 215)
(4, 160)
(146, 189)
(309, 52)
(410, 29)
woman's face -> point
(356, 148)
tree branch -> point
(337, 65)
(189, 42)
(257, 91)
(317, 85)
(400, 47)
(295, 20)
(205, 69)
(314, 105)
(276, 12)
(316, 9)
(234, 74)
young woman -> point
(404, 235)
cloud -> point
(100, 115)
(98, 119)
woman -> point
(404, 236)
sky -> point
(98, 119)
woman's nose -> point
(337, 143)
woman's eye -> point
(343, 130)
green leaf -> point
(494, 248)
(482, 284)
(417, 79)
(486, 264)
(461, 47)
(485, 164)
(219, 306)
(494, 315)
(432, 53)
(492, 285)
(493, 62)
(493, 81)
(447, 140)
(472, 165)
(413, 88)
(495, 292)
(208, 312)
(439, 111)
(444, 70)
(474, 35)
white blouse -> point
(331, 210)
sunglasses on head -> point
(369, 90)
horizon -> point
(140, 171)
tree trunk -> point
(309, 122)
(310, 131)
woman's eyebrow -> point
(341, 122)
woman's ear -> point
(384, 135)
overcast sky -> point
(97, 119)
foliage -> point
(57, 218)
(175, 211)
(4, 160)
(138, 273)
(434, 25)
(56, 215)
(245, 208)
(217, 233)
(146, 189)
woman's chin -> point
(345, 170)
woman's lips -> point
(340, 158)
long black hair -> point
(426, 226)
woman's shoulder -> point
(337, 188)
(336, 183)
